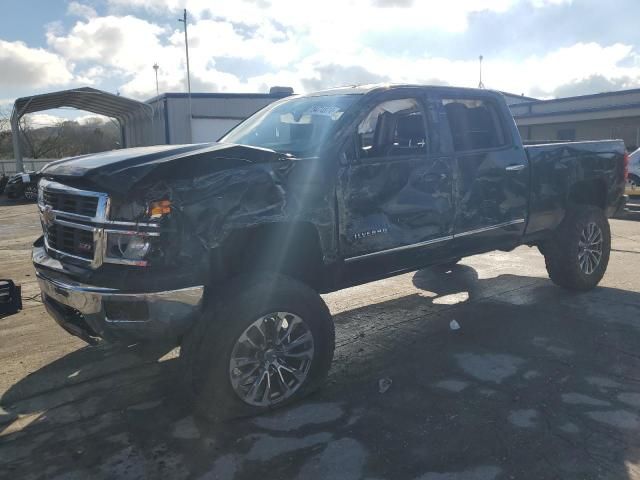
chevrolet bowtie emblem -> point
(48, 215)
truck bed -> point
(590, 169)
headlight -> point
(127, 249)
(159, 209)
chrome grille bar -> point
(98, 224)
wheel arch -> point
(288, 248)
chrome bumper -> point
(94, 312)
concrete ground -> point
(537, 383)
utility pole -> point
(186, 46)
(480, 84)
(156, 67)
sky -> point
(539, 48)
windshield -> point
(297, 126)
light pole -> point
(480, 84)
(186, 46)
(156, 67)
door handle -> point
(514, 168)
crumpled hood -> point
(119, 170)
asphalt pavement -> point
(536, 383)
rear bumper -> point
(91, 312)
(619, 209)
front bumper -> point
(91, 312)
(14, 190)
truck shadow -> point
(536, 383)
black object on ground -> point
(10, 297)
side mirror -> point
(348, 154)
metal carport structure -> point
(123, 109)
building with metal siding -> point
(212, 115)
(587, 117)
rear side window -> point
(393, 128)
(474, 124)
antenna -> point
(156, 67)
(186, 47)
(480, 84)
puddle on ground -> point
(617, 418)
(574, 398)
(523, 418)
(551, 347)
(343, 459)
(297, 417)
(569, 428)
(267, 447)
(186, 429)
(489, 367)
(478, 473)
(630, 398)
(602, 382)
(452, 385)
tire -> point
(30, 192)
(567, 262)
(228, 329)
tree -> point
(64, 138)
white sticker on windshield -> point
(26, 178)
(325, 110)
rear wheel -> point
(31, 192)
(578, 254)
(268, 342)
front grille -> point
(73, 241)
(70, 203)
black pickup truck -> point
(223, 248)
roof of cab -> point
(369, 88)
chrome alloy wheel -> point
(590, 248)
(31, 192)
(271, 359)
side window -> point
(474, 124)
(393, 128)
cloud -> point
(81, 10)
(91, 119)
(22, 66)
(332, 75)
(392, 3)
(38, 120)
(595, 84)
(127, 43)
(250, 45)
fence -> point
(8, 167)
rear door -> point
(394, 190)
(491, 188)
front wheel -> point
(268, 342)
(578, 254)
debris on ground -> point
(454, 325)
(384, 384)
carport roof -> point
(85, 98)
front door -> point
(394, 191)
